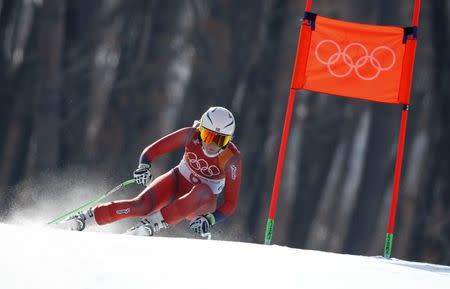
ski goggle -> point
(208, 136)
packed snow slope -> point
(49, 258)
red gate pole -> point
(280, 164)
(399, 160)
(308, 5)
(415, 21)
(281, 155)
(398, 170)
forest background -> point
(87, 85)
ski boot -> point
(79, 221)
(149, 225)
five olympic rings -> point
(202, 165)
(354, 65)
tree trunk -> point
(179, 69)
(106, 59)
(47, 100)
(323, 222)
(352, 182)
(432, 233)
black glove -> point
(143, 175)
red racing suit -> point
(189, 189)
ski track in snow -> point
(42, 257)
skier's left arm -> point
(231, 190)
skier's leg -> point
(153, 198)
(199, 200)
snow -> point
(42, 257)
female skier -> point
(211, 164)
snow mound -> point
(49, 258)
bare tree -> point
(104, 70)
(45, 141)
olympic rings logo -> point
(202, 166)
(351, 63)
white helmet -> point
(219, 121)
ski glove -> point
(202, 224)
(143, 175)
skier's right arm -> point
(166, 144)
(143, 174)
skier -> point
(211, 164)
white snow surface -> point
(41, 257)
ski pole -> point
(98, 199)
